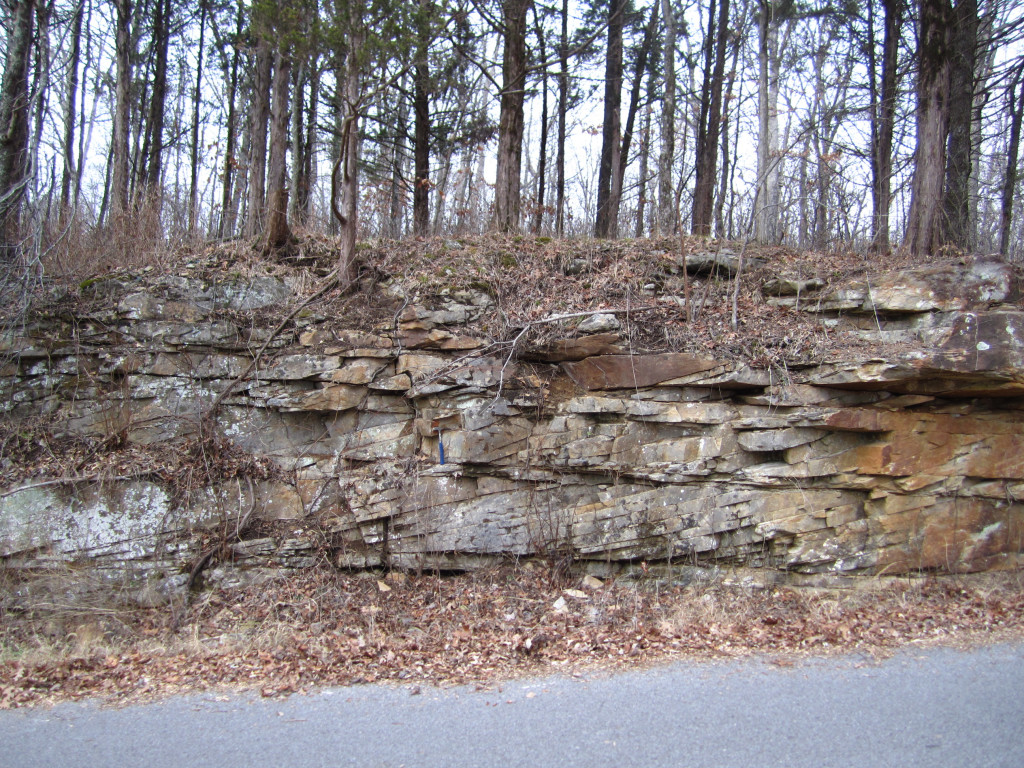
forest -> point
(818, 125)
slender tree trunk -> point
(645, 154)
(766, 221)
(710, 118)
(394, 226)
(640, 68)
(933, 84)
(228, 210)
(542, 157)
(611, 148)
(307, 179)
(193, 188)
(278, 232)
(348, 162)
(507, 198)
(1016, 109)
(726, 172)
(299, 76)
(259, 116)
(884, 109)
(153, 144)
(666, 198)
(956, 198)
(67, 182)
(563, 101)
(122, 110)
(421, 130)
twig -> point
(71, 480)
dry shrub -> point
(75, 249)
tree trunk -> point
(884, 111)
(227, 210)
(421, 129)
(710, 118)
(153, 144)
(259, 115)
(641, 65)
(666, 198)
(645, 154)
(963, 55)
(563, 104)
(542, 156)
(14, 114)
(611, 148)
(395, 224)
(307, 179)
(278, 232)
(193, 187)
(726, 172)
(933, 83)
(122, 109)
(347, 163)
(298, 89)
(766, 221)
(510, 121)
(67, 182)
(1016, 109)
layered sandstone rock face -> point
(422, 444)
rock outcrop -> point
(422, 444)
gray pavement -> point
(935, 707)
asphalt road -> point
(936, 707)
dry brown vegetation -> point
(324, 627)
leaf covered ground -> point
(326, 628)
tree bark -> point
(14, 114)
(933, 82)
(153, 143)
(542, 156)
(1016, 110)
(278, 232)
(510, 120)
(227, 209)
(645, 154)
(666, 161)
(710, 118)
(883, 103)
(259, 116)
(122, 110)
(68, 188)
(349, 161)
(963, 53)
(563, 106)
(766, 221)
(193, 187)
(421, 129)
(640, 68)
(611, 148)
